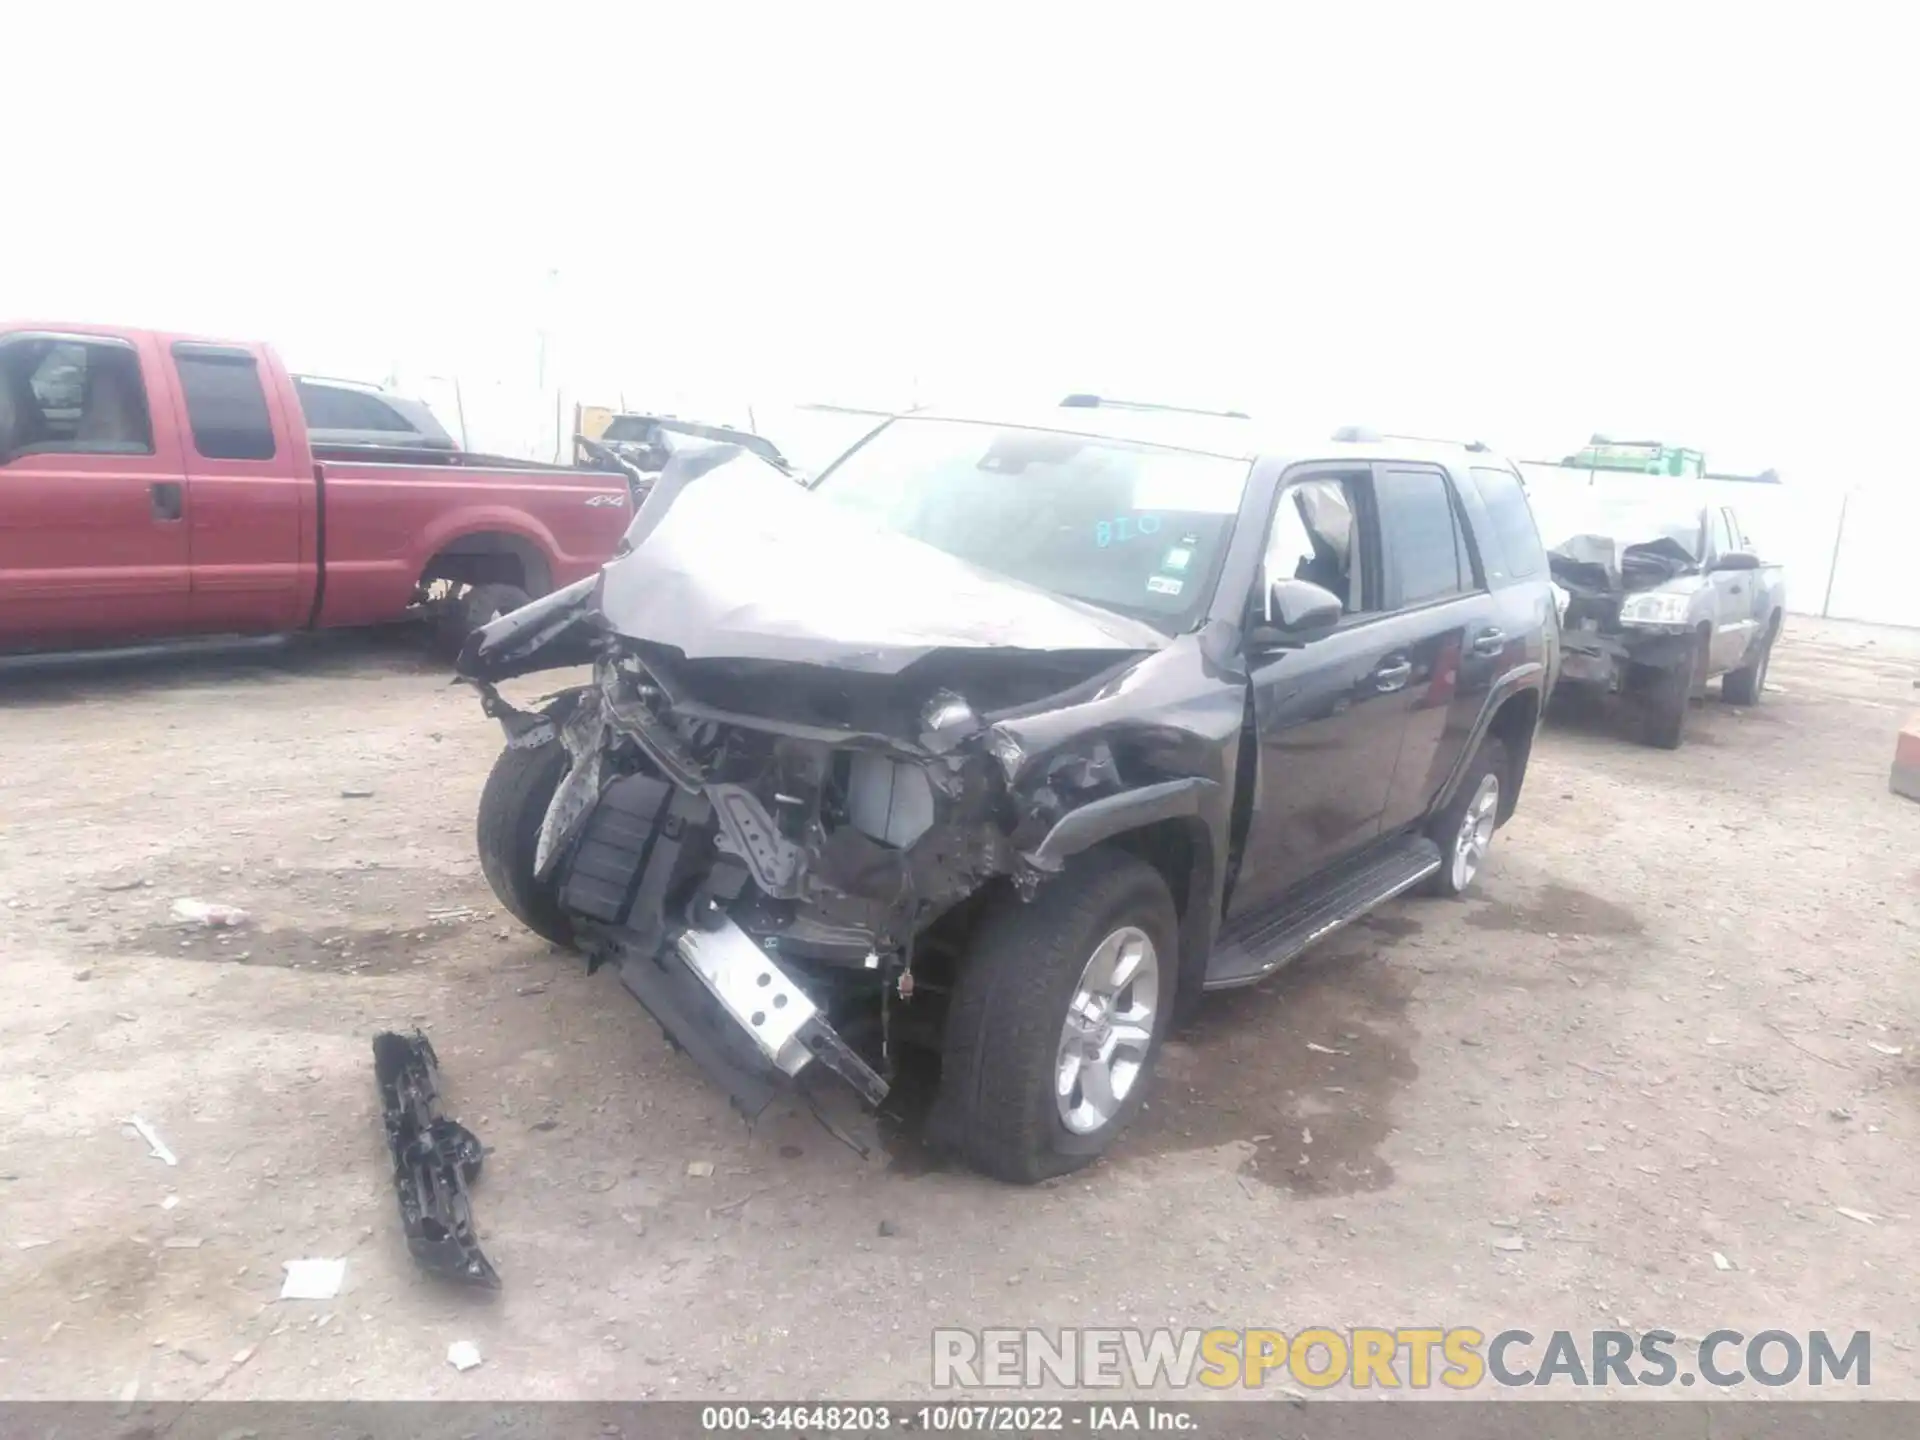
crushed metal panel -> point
(752, 989)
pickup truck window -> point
(226, 407)
(1721, 532)
(329, 407)
(1420, 530)
(1515, 536)
(72, 397)
(1312, 539)
(1741, 541)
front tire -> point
(507, 832)
(1666, 696)
(1057, 1012)
(1464, 828)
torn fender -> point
(1113, 815)
(555, 630)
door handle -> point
(166, 498)
(1489, 642)
(1735, 590)
(1392, 676)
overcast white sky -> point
(1690, 221)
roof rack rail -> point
(1102, 402)
(368, 385)
(1362, 434)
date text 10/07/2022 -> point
(985, 1419)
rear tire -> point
(1744, 686)
(512, 807)
(478, 605)
(1464, 829)
(1024, 1093)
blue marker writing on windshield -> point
(1124, 528)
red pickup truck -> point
(155, 485)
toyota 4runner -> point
(1002, 742)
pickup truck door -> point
(1438, 595)
(1734, 595)
(93, 511)
(250, 485)
(1328, 715)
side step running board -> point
(1254, 946)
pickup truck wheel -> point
(1056, 1015)
(1464, 828)
(512, 805)
(478, 605)
(1665, 696)
(1744, 686)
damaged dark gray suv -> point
(1001, 743)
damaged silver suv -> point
(999, 744)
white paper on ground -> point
(313, 1279)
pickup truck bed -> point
(155, 485)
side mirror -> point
(1737, 560)
(1301, 610)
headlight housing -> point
(1654, 607)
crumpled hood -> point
(736, 561)
(1604, 563)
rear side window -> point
(329, 408)
(1426, 553)
(226, 406)
(1514, 531)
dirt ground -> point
(1678, 1019)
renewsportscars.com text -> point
(1402, 1357)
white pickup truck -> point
(1659, 592)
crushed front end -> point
(760, 884)
(1619, 606)
(766, 808)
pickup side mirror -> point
(1736, 560)
(1301, 611)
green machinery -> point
(1641, 457)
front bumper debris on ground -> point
(434, 1160)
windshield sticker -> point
(1124, 528)
(1165, 585)
(1177, 559)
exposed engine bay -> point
(769, 803)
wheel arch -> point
(1514, 725)
(491, 556)
(1181, 850)
(1167, 826)
(1512, 715)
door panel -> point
(249, 486)
(1733, 598)
(1435, 582)
(1453, 653)
(93, 516)
(1328, 718)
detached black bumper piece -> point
(434, 1160)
